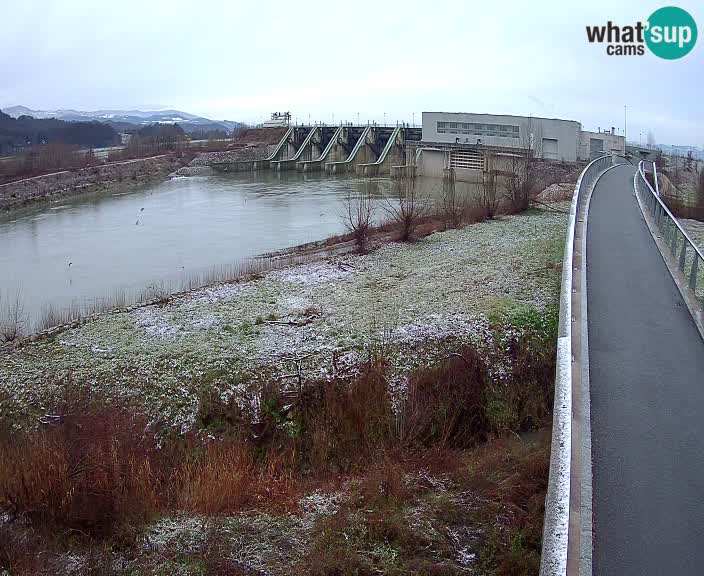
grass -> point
(95, 473)
(162, 292)
(408, 299)
(415, 454)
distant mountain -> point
(25, 131)
(119, 119)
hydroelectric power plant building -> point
(463, 141)
(467, 143)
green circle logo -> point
(670, 32)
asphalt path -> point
(646, 362)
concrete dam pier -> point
(365, 150)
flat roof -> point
(505, 115)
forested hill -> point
(25, 131)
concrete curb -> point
(567, 531)
(581, 539)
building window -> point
(491, 130)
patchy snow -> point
(411, 299)
(154, 322)
(314, 273)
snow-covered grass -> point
(695, 229)
(409, 298)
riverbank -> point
(232, 336)
(102, 177)
(372, 412)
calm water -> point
(124, 242)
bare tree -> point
(651, 139)
(13, 320)
(488, 198)
(675, 176)
(522, 169)
(357, 212)
(453, 204)
(405, 208)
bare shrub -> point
(22, 550)
(357, 212)
(221, 479)
(522, 169)
(13, 320)
(488, 197)
(444, 404)
(405, 208)
(341, 423)
(93, 468)
(453, 204)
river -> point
(80, 251)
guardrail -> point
(690, 258)
(556, 533)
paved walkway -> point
(646, 361)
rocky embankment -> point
(254, 145)
(72, 182)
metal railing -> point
(557, 502)
(688, 255)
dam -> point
(365, 150)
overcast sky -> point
(241, 60)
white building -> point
(594, 144)
(462, 140)
(278, 120)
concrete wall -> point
(542, 132)
(610, 143)
(69, 183)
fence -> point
(688, 255)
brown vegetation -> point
(405, 208)
(357, 212)
(453, 204)
(13, 320)
(93, 472)
(44, 159)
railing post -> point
(693, 277)
(683, 254)
(673, 248)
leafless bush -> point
(13, 320)
(488, 197)
(522, 167)
(453, 204)
(405, 208)
(356, 213)
(92, 467)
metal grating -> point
(467, 158)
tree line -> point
(17, 134)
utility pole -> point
(625, 134)
(414, 119)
